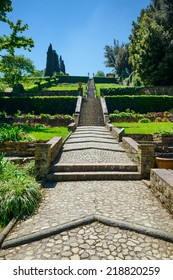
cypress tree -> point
(62, 65)
(56, 62)
(50, 62)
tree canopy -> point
(151, 47)
(117, 58)
(12, 66)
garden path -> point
(94, 219)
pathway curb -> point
(156, 233)
(6, 230)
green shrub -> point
(47, 105)
(141, 104)
(144, 120)
(12, 133)
(19, 193)
(18, 88)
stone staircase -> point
(91, 111)
(92, 153)
(91, 172)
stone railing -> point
(77, 110)
(45, 154)
(142, 154)
(104, 110)
(161, 183)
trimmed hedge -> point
(104, 80)
(47, 105)
(120, 91)
(72, 79)
(141, 104)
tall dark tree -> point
(62, 65)
(50, 62)
(56, 62)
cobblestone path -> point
(107, 219)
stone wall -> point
(45, 154)
(142, 154)
(161, 183)
(18, 148)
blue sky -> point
(77, 29)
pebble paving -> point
(63, 202)
(93, 242)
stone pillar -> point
(146, 156)
(42, 159)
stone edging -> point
(6, 230)
(155, 233)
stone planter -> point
(164, 161)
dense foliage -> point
(117, 58)
(19, 192)
(12, 133)
(151, 48)
(10, 65)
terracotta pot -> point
(164, 162)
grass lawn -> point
(46, 133)
(99, 86)
(146, 128)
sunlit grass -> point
(146, 128)
(46, 133)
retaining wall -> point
(161, 183)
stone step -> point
(94, 167)
(91, 176)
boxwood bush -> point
(47, 105)
(141, 104)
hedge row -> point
(120, 91)
(141, 104)
(104, 80)
(72, 79)
(45, 105)
(42, 94)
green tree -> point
(14, 40)
(9, 43)
(62, 65)
(151, 48)
(5, 7)
(100, 74)
(56, 62)
(111, 53)
(50, 62)
(15, 68)
(117, 57)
